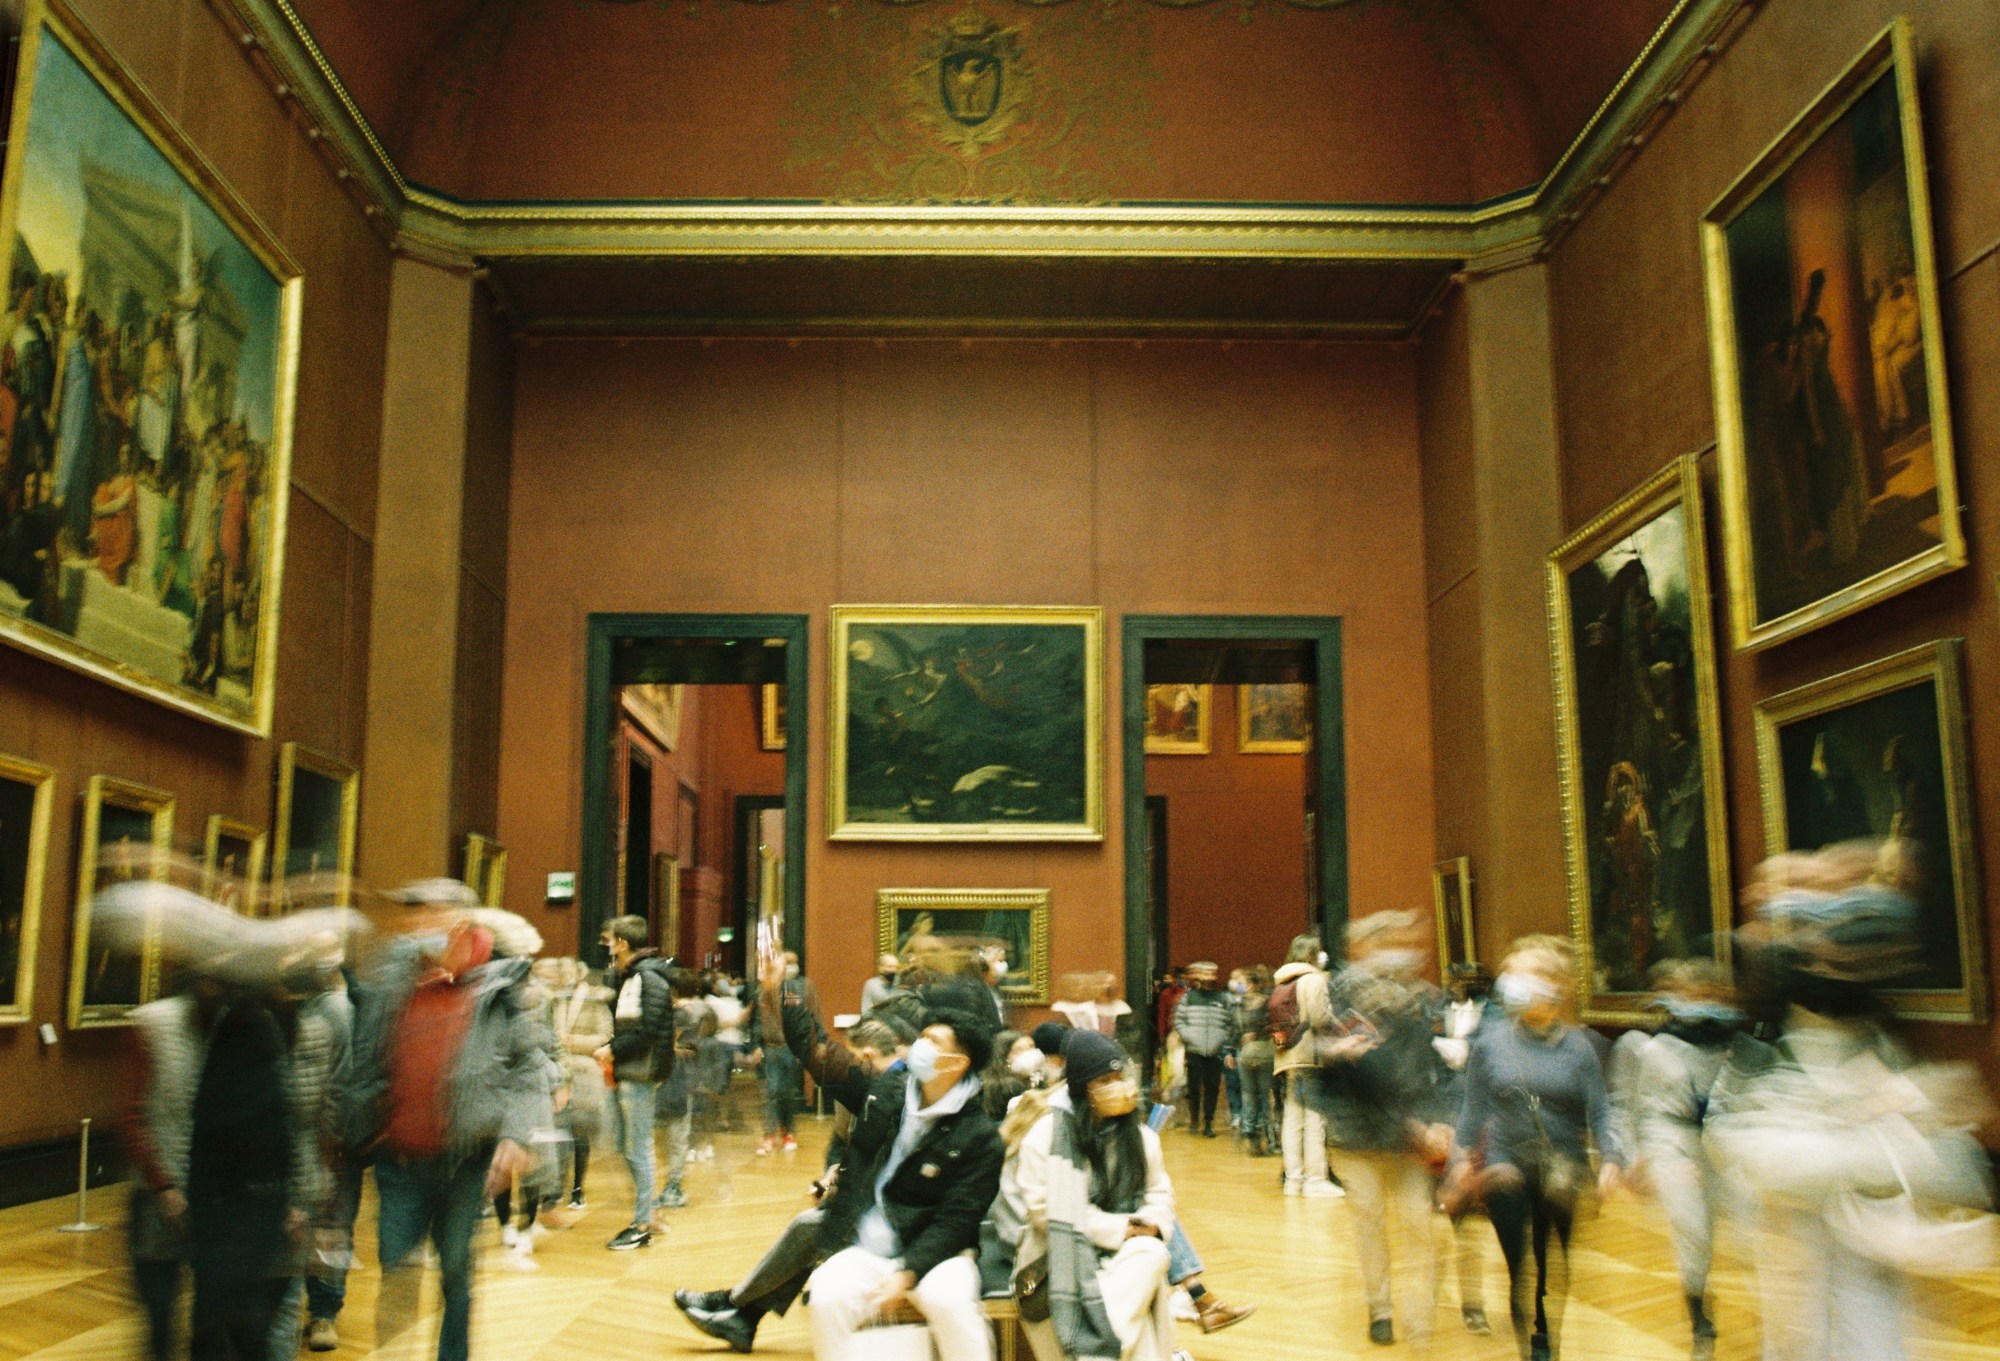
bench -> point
(1000, 1311)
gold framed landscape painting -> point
(130, 829)
(1178, 718)
(27, 795)
(1639, 743)
(150, 361)
(1274, 720)
(967, 723)
(1833, 429)
(319, 812)
(1451, 897)
(232, 865)
(1878, 753)
(1015, 920)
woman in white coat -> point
(1096, 1209)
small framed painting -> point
(232, 864)
(319, 811)
(128, 830)
(1177, 719)
(1451, 893)
(1273, 719)
(1016, 920)
(27, 793)
(771, 717)
(486, 869)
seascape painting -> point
(982, 723)
(1838, 477)
(1640, 741)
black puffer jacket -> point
(642, 1046)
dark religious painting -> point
(1178, 718)
(319, 802)
(978, 723)
(1451, 897)
(26, 793)
(965, 920)
(1834, 433)
(147, 365)
(233, 866)
(127, 832)
(1640, 742)
(1878, 753)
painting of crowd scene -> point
(144, 405)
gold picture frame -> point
(1166, 708)
(116, 811)
(1883, 746)
(1833, 436)
(1274, 719)
(968, 918)
(657, 711)
(917, 766)
(27, 800)
(1451, 899)
(486, 869)
(222, 302)
(667, 894)
(232, 864)
(771, 717)
(1628, 599)
(318, 816)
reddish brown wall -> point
(83, 728)
(1632, 359)
(1236, 847)
(1154, 478)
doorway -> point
(1251, 727)
(683, 713)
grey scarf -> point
(1075, 1306)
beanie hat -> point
(1088, 1056)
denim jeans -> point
(440, 1197)
(1256, 1079)
(1183, 1262)
(326, 1281)
(633, 1109)
(782, 1094)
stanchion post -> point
(83, 1224)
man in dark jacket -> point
(921, 1169)
(641, 1054)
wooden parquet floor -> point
(67, 1297)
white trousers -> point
(1137, 1301)
(1302, 1135)
(1382, 1187)
(843, 1291)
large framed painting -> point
(1015, 920)
(1273, 720)
(319, 811)
(128, 831)
(771, 720)
(232, 865)
(1878, 753)
(1451, 899)
(27, 794)
(967, 724)
(146, 389)
(1838, 481)
(486, 869)
(1178, 719)
(1639, 740)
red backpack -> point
(1282, 1015)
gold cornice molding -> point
(1495, 236)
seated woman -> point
(1096, 1210)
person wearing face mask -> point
(1298, 1014)
(878, 988)
(1096, 1210)
(920, 1170)
(1255, 1056)
(875, 1046)
(1380, 1088)
(1206, 1021)
(1533, 1092)
(641, 1053)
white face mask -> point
(999, 969)
(1322, 959)
(1395, 963)
(1028, 1062)
(1519, 991)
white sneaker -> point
(522, 1258)
(1184, 1310)
(1292, 1188)
(510, 1237)
(537, 1231)
(1319, 1188)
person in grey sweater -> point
(1534, 1091)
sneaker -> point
(791, 1144)
(1381, 1332)
(536, 1232)
(510, 1237)
(673, 1198)
(736, 1328)
(631, 1236)
(521, 1257)
(767, 1145)
(321, 1336)
(1475, 1320)
(1184, 1310)
(705, 1154)
(1293, 1188)
(1319, 1188)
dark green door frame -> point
(599, 858)
(1329, 749)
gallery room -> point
(971, 680)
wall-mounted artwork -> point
(27, 794)
(967, 724)
(1273, 719)
(1879, 753)
(656, 709)
(1639, 738)
(771, 717)
(319, 811)
(486, 869)
(667, 899)
(1451, 896)
(130, 829)
(1178, 719)
(146, 399)
(233, 865)
(965, 919)
(1838, 481)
